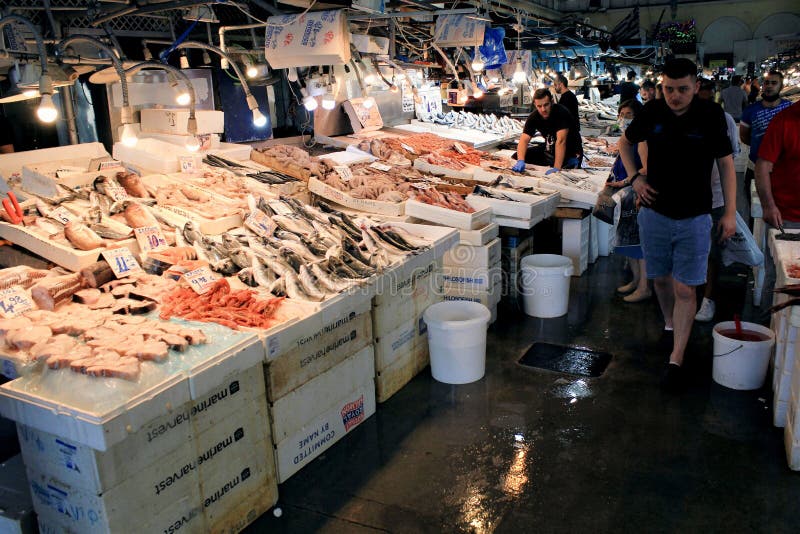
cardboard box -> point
(397, 343)
(472, 257)
(402, 370)
(475, 279)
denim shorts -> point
(675, 246)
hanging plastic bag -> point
(741, 247)
(606, 205)
(492, 49)
(628, 226)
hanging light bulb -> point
(328, 100)
(47, 111)
(183, 98)
(259, 119)
(394, 88)
(477, 61)
(477, 92)
(250, 69)
(184, 60)
(128, 136)
(368, 102)
(192, 143)
(519, 74)
(309, 102)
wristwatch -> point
(633, 178)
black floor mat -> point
(562, 359)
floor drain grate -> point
(563, 359)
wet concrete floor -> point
(525, 450)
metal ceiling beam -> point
(405, 14)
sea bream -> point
(82, 237)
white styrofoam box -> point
(756, 210)
(16, 512)
(523, 205)
(480, 236)
(317, 351)
(43, 178)
(594, 247)
(784, 385)
(294, 410)
(472, 278)
(791, 436)
(468, 256)
(448, 217)
(62, 255)
(493, 312)
(759, 274)
(351, 156)
(397, 343)
(575, 242)
(152, 155)
(299, 449)
(316, 38)
(487, 298)
(12, 164)
(370, 44)
(458, 30)
(407, 364)
(180, 140)
(779, 408)
(606, 237)
(175, 121)
(391, 310)
(109, 425)
(235, 402)
(362, 204)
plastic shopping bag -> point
(605, 206)
(741, 247)
(628, 226)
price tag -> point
(259, 223)
(200, 279)
(15, 301)
(421, 186)
(381, 166)
(116, 192)
(150, 238)
(188, 164)
(407, 148)
(280, 208)
(121, 261)
(63, 215)
(459, 148)
(344, 172)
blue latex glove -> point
(551, 171)
(519, 166)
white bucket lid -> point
(547, 263)
(457, 315)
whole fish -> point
(241, 258)
(132, 184)
(341, 269)
(137, 215)
(294, 288)
(309, 283)
(292, 258)
(404, 236)
(247, 277)
(110, 229)
(278, 287)
(262, 275)
(288, 236)
(352, 248)
(326, 280)
(82, 237)
(295, 225)
(191, 233)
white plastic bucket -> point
(741, 364)
(457, 340)
(544, 284)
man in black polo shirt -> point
(567, 98)
(557, 126)
(684, 136)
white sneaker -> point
(706, 311)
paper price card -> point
(407, 148)
(150, 238)
(189, 164)
(381, 167)
(459, 148)
(15, 301)
(200, 279)
(63, 214)
(121, 261)
(344, 172)
(259, 223)
(116, 192)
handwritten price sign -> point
(381, 167)
(344, 172)
(189, 164)
(64, 215)
(121, 261)
(116, 192)
(200, 279)
(259, 223)
(15, 301)
(150, 238)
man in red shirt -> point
(778, 179)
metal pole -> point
(69, 115)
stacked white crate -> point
(402, 294)
(193, 451)
(400, 334)
(319, 375)
(791, 432)
(575, 235)
(472, 271)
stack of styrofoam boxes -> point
(399, 331)
(472, 270)
(606, 237)
(515, 244)
(760, 235)
(205, 466)
(784, 325)
(320, 384)
(575, 234)
(791, 361)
